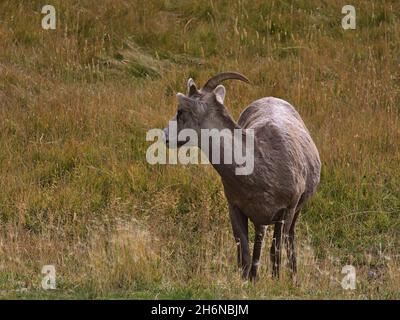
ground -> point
(76, 103)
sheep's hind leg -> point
(290, 245)
(275, 252)
(258, 241)
(240, 231)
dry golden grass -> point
(75, 105)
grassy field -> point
(76, 103)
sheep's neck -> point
(223, 121)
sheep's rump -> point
(281, 135)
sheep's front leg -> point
(258, 241)
(240, 232)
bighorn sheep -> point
(286, 167)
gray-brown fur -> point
(286, 167)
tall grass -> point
(75, 105)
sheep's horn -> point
(213, 82)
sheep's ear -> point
(220, 93)
(191, 87)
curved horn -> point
(213, 82)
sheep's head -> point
(195, 108)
